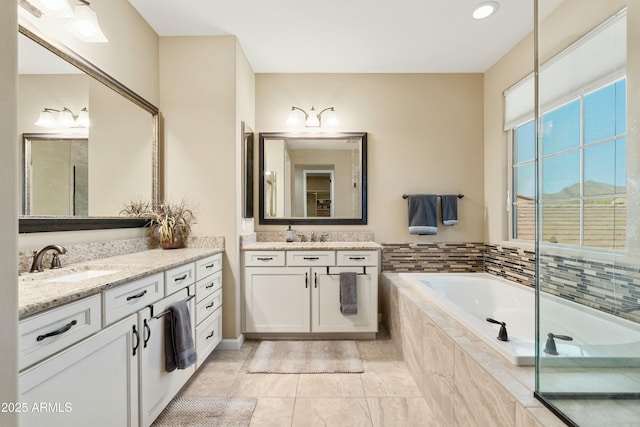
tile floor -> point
(384, 395)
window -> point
(583, 172)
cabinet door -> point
(325, 308)
(277, 299)
(93, 383)
(157, 386)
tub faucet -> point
(502, 334)
(37, 257)
(550, 347)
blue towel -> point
(449, 206)
(179, 350)
(423, 217)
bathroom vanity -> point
(92, 336)
(294, 288)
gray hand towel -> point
(348, 293)
(449, 206)
(179, 350)
(423, 217)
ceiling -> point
(351, 36)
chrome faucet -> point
(313, 236)
(37, 257)
(323, 237)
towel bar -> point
(364, 272)
(406, 196)
(164, 313)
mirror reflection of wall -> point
(119, 141)
(316, 177)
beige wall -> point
(8, 219)
(424, 136)
(206, 91)
(566, 24)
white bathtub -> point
(470, 298)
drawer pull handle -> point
(136, 296)
(268, 258)
(209, 306)
(306, 280)
(62, 330)
(357, 258)
(212, 334)
(181, 278)
(209, 266)
(147, 332)
(311, 258)
(137, 335)
(209, 286)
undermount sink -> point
(81, 275)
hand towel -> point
(423, 217)
(348, 293)
(179, 350)
(449, 206)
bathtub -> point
(599, 339)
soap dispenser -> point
(290, 234)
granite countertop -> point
(36, 294)
(306, 246)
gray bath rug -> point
(193, 411)
(306, 357)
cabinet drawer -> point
(311, 258)
(264, 258)
(208, 305)
(126, 299)
(207, 286)
(208, 335)
(368, 258)
(179, 277)
(44, 334)
(207, 266)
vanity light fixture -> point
(312, 119)
(65, 118)
(485, 9)
(82, 20)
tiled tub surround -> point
(463, 381)
(35, 294)
(433, 257)
(511, 263)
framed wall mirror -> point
(119, 147)
(247, 170)
(313, 178)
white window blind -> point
(598, 57)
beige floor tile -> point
(379, 351)
(388, 379)
(330, 385)
(273, 412)
(212, 380)
(400, 411)
(331, 412)
(264, 385)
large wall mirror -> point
(313, 178)
(76, 176)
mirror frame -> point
(313, 221)
(45, 224)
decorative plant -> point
(169, 222)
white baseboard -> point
(231, 344)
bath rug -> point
(306, 357)
(195, 411)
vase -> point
(171, 243)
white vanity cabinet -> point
(299, 291)
(157, 386)
(92, 383)
(208, 331)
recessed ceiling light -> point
(485, 10)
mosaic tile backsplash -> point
(433, 257)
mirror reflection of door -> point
(56, 176)
(318, 187)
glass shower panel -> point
(588, 210)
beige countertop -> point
(307, 246)
(36, 294)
